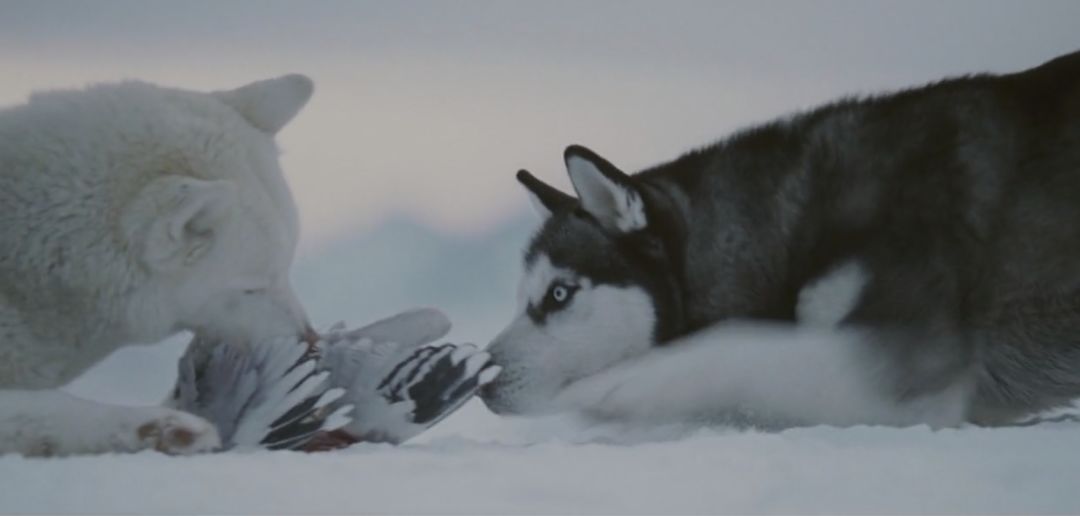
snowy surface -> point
(477, 463)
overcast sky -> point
(426, 109)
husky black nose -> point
(487, 391)
(497, 398)
(490, 396)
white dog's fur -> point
(129, 212)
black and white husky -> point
(912, 258)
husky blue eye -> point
(559, 295)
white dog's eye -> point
(559, 293)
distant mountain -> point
(402, 264)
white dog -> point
(129, 212)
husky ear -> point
(605, 191)
(545, 198)
(174, 219)
(269, 105)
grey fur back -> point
(961, 199)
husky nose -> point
(487, 391)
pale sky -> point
(426, 109)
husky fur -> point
(909, 258)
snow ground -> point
(475, 463)
(507, 468)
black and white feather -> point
(397, 383)
(268, 395)
(378, 383)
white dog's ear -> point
(270, 104)
(606, 192)
(174, 219)
(544, 197)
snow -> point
(475, 462)
(506, 469)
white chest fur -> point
(826, 301)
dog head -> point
(216, 231)
(599, 284)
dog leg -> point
(54, 423)
(770, 374)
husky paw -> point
(177, 433)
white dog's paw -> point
(176, 433)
